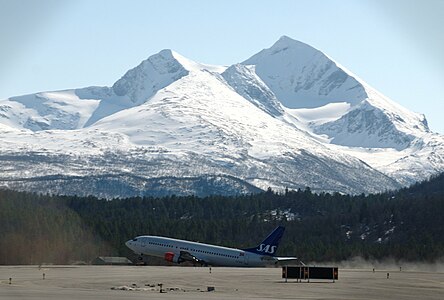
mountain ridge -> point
(173, 117)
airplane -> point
(179, 251)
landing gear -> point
(140, 260)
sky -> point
(396, 46)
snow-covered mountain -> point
(302, 77)
(287, 117)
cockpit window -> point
(135, 240)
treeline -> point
(404, 225)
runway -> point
(132, 282)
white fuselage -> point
(210, 254)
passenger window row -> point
(159, 244)
(195, 250)
(214, 253)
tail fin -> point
(270, 244)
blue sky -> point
(397, 46)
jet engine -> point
(171, 257)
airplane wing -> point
(287, 260)
(283, 260)
(186, 256)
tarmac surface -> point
(133, 282)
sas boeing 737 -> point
(178, 251)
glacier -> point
(288, 117)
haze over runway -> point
(131, 282)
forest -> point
(403, 225)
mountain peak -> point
(187, 64)
(286, 42)
(288, 46)
(166, 53)
(303, 77)
(286, 38)
(151, 75)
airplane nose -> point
(132, 244)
